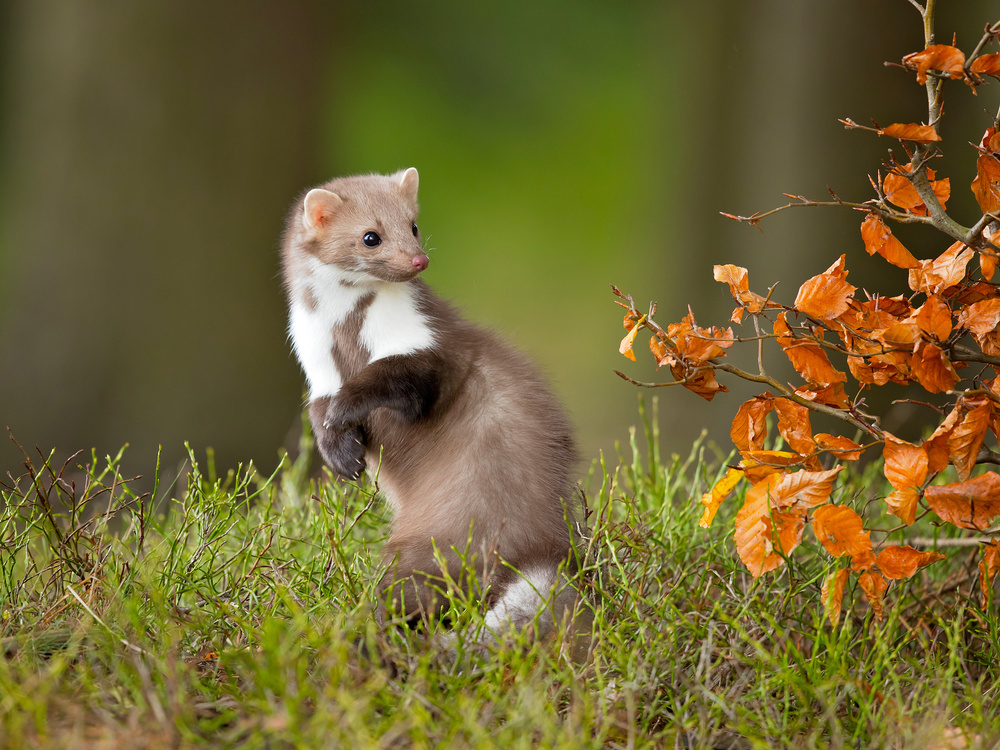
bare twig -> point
(989, 32)
(639, 383)
(968, 541)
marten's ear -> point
(320, 207)
(408, 182)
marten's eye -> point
(415, 230)
(371, 239)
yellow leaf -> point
(626, 346)
(712, 500)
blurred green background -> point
(149, 151)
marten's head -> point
(366, 225)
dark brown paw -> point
(344, 451)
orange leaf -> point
(868, 319)
(905, 463)
(807, 357)
(879, 239)
(934, 317)
(986, 185)
(899, 190)
(630, 319)
(840, 530)
(698, 345)
(967, 438)
(989, 566)
(832, 594)
(659, 351)
(794, 426)
(874, 587)
(760, 464)
(947, 270)
(803, 489)
(988, 65)
(739, 286)
(987, 264)
(981, 317)
(974, 292)
(713, 499)
(700, 380)
(970, 504)
(759, 544)
(902, 562)
(991, 141)
(831, 395)
(827, 295)
(840, 447)
(749, 428)
(947, 59)
(903, 504)
(933, 370)
(737, 277)
(937, 444)
(912, 132)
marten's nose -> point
(420, 262)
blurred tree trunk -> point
(151, 151)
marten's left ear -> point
(408, 182)
(319, 208)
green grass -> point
(239, 613)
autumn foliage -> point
(943, 336)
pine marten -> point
(467, 438)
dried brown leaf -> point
(749, 429)
(807, 357)
(967, 438)
(832, 395)
(911, 132)
(971, 504)
(899, 190)
(841, 447)
(841, 531)
(832, 594)
(903, 504)
(902, 562)
(947, 270)
(761, 543)
(986, 185)
(988, 65)
(826, 295)
(905, 463)
(989, 567)
(934, 317)
(942, 57)
(794, 426)
(879, 239)
(936, 445)
(874, 587)
(933, 370)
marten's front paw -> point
(345, 412)
(344, 452)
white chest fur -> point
(392, 325)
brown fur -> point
(495, 454)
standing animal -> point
(469, 443)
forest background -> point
(148, 154)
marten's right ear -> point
(320, 208)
